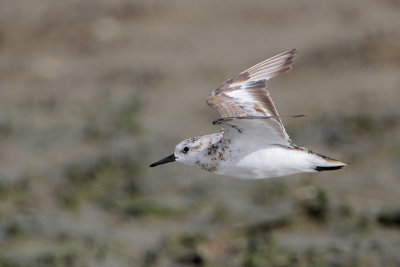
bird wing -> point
(257, 130)
(245, 95)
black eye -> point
(185, 149)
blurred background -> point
(91, 92)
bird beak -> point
(170, 158)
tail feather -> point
(321, 162)
(328, 168)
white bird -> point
(253, 143)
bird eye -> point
(185, 149)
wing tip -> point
(273, 66)
(292, 53)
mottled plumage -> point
(254, 142)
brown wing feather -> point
(245, 94)
(253, 81)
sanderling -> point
(253, 142)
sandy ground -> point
(94, 91)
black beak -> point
(170, 158)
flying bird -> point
(253, 142)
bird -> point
(253, 142)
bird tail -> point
(329, 165)
(328, 168)
(319, 162)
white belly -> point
(273, 161)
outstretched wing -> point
(257, 130)
(245, 95)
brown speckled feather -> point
(246, 94)
(253, 143)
